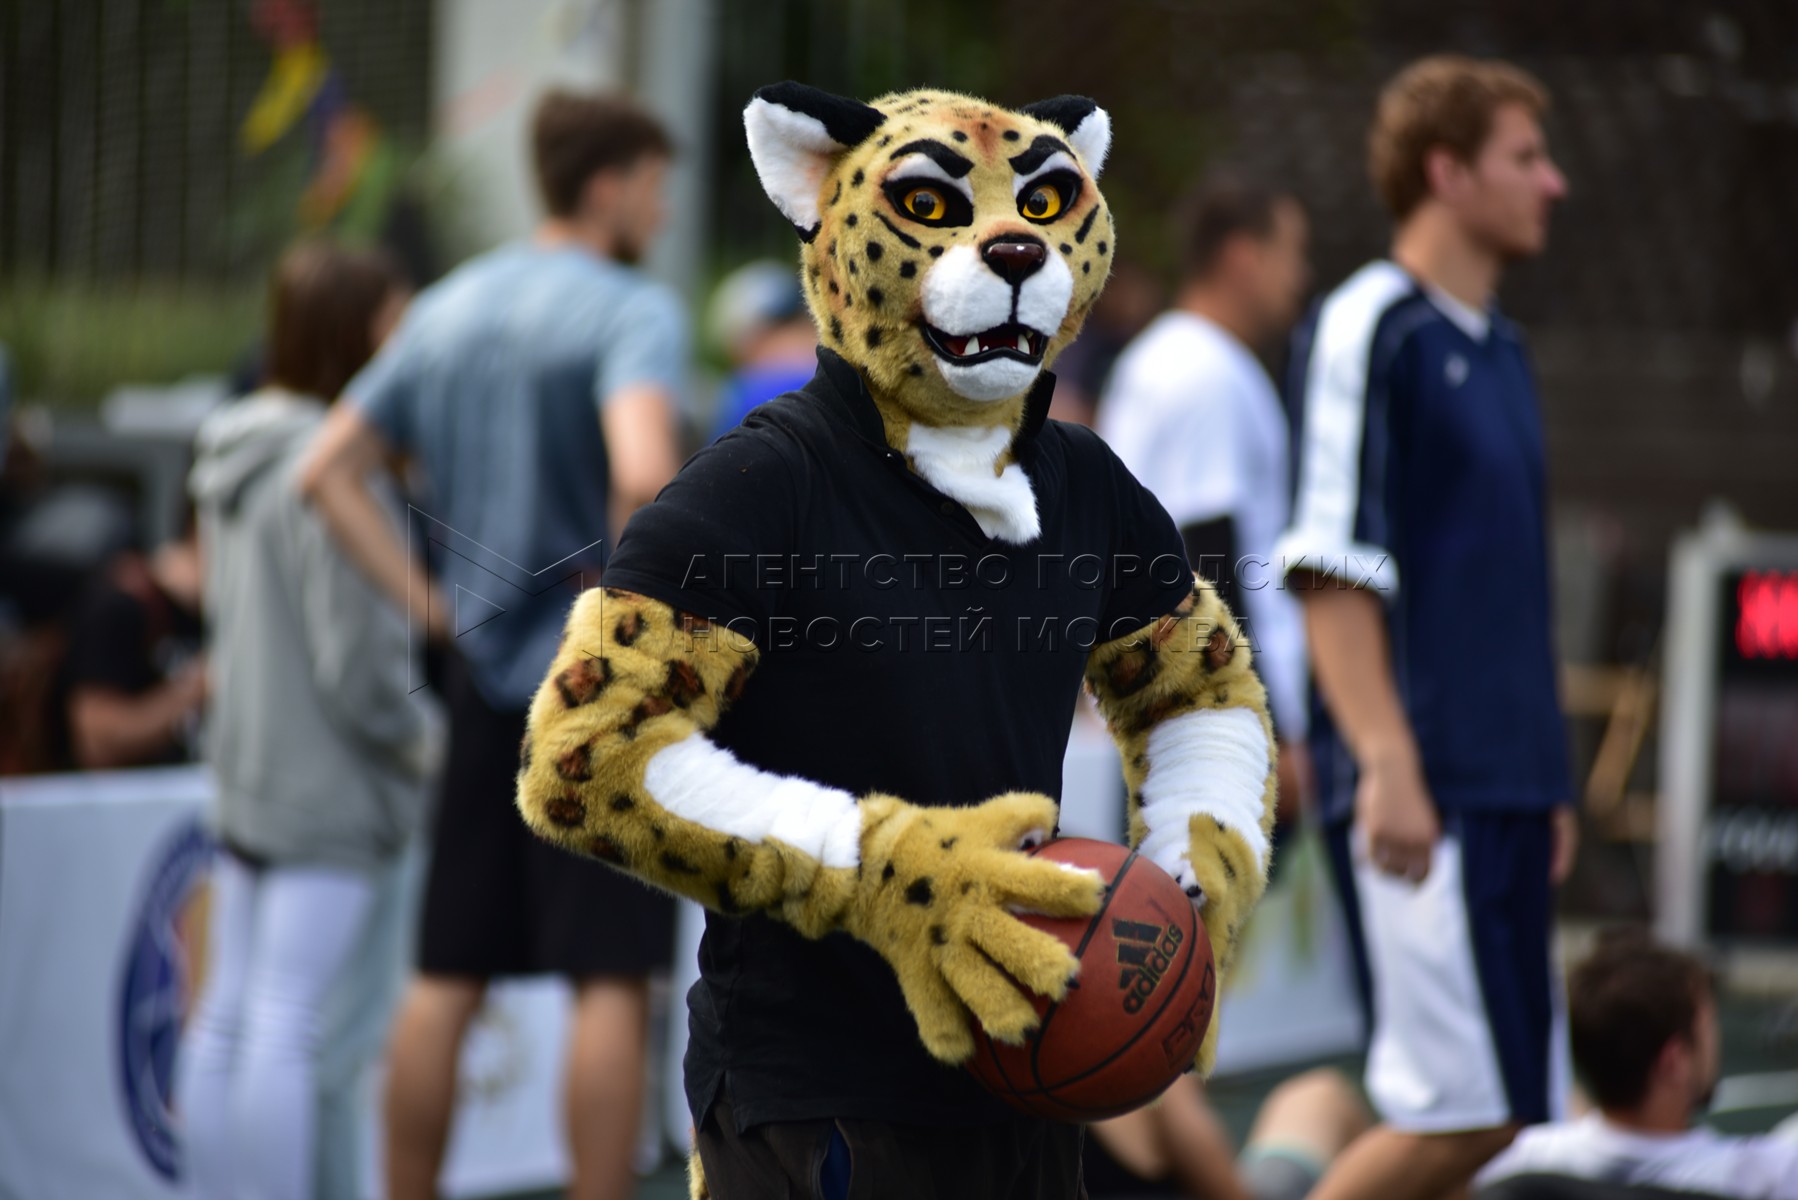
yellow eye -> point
(925, 203)
(1041, 203)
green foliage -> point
(74, 339)
(72, 343)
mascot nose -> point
(1013, 259)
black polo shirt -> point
(903, 651)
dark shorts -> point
(501, 901)
(1108, 1179)
(1458, 977)
(874, 1160)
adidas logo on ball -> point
(1144, 953)
(1093, 1057)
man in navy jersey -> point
(1419, 545)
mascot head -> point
(952, 248)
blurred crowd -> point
(101, 662)
(280, 635)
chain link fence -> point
(123, 148)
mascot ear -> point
(795, 133)
(1087, 125)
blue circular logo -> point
(157, 990)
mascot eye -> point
(934, 204)
(1048, 196)
(1041, 203)
(925, 203)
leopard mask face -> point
(952, 248)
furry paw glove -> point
(936, 898)
(616, 766)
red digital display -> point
(1767, 615)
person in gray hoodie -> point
(319, 739)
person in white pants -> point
(279, 937)
(320, 746)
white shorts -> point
(1466, 1021)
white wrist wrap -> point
(1212, 762)
(700, 782)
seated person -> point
(1643, 1023)
(134, 681)
(1177, 1147)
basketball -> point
(1133, 1019)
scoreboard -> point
(1727, 858)
(1761, 608)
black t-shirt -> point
(131, 641)
(903, 651)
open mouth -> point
(1002, 341)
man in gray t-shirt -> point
(493, 384)
(534, 388)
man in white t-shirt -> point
(1191, 411)
(1643, 1022)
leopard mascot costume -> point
(951, 249)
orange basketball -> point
(1133, 1018)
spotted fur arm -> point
(616, 765)
(1190, 719)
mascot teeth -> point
(1007, 341)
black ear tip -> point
(847, 121)
(1063, 112)
(790, 93)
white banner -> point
(100, 908)
(102, 951)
